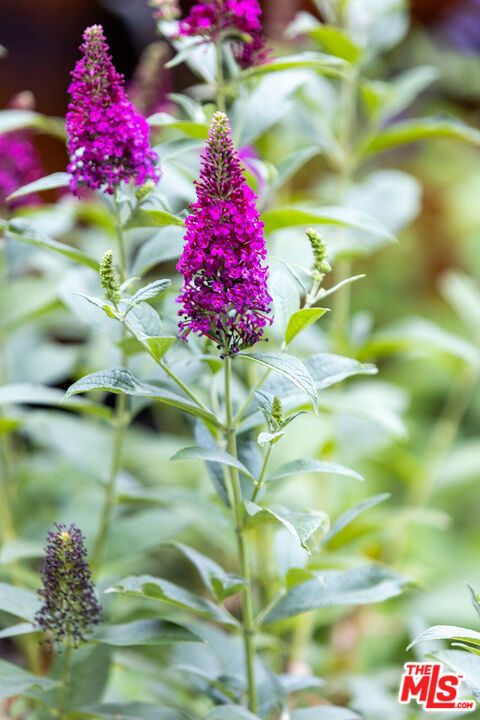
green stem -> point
(182, 385)
(66, 676)
(248, 628)
(259, 483)
(120, 424)
(220, 81)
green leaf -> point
(147, 586)
(475, 602)
(159, 346)
(19, 602)
(420, 129)
(129, 711)
(149, 217)
(288, 366)
(219, 582)
(121, 380)
(336, 41)
(27, 394)
(347, 517)
(19, 629)
(421, 336)
(301, 320)
(447, 632)
(360, 586)
(462, 292)
(165, 245)
(325, 712)
(197, 130)
(50, 182)
(15, 680)
(320, 62)
(144, 632)
(19, 549)
(211, 455)
(465, 664)
(290, 165)
(310, 465)
(11, 120)
(230, 712)
(341, 216)
(328, 369)
(20, 229)
(150, 291)
(301, 526)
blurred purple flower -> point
(151, 82)
(19, 160)
(461, 26)
(70, 608)
(238, 20)
(107, 139)
(225, 295)
(248, 155)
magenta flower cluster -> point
(238, 20)
(108, 141)
(225, 295)
(19, 165)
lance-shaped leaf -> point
(144, 632)
(14, 681)
(21, 229)
(301, 525)
(360, 586)
(447, 632)
(19, 602)
(50, 182)
(150, 217)
(147, 586)
(311, 465)
(219, 582)
(11, 120)
(211, 455)
(350, 515)
(150, 291)
(121, 381)
(130, 711)
(300, 320)
(288, 366)
(28, 394)
(320, 62)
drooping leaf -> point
(50, 182)
(28, 394)
(150, 217)
(219, 582)
(147, 586)
(360, 586)
(320, 62)
(301, 526)
(288, 366)
(447, 632)
(211, 455)
(20, 229)
(121, 380)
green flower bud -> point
(109, 279)
(277, 412)
(320, 266)
(144, 190)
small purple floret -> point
(108, 141)
(70, 609)
(225, 295)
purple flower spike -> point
(224, 296)
(107, 139)
(19, 165)
(238, 20)
(70, 608)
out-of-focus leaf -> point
(144, 632)
(462, 292)
(50, 182)
(353, 513)
(300, 525)
(147, 586)
(466, 664)
(165, 245)
(421, 129)
(337, 42)
(20, 550)
(129, 711)
(11, 120)
(325, 712)
(230, 712)
(360, 586)
(19, 602)
(320, 62)
(26, 394)
(21, 229)
(14, 680)
(197, 130)
(302, 319)
(152, 217)
(310, 465)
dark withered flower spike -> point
(69, 608)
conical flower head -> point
(239, 20)
(70, 608)
(225, 294)
(108, 141)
